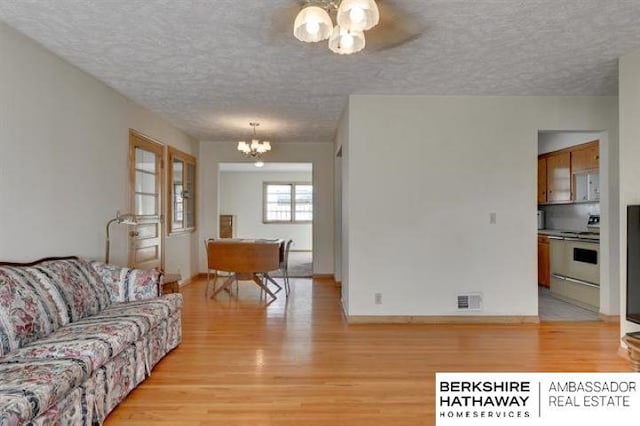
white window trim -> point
(293, 204)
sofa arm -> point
(127, 284)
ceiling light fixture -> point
(256, 148)
(358, 15)
(314, 24)
(345, 42)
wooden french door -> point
(146, 171)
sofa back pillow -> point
(127, 284)
(29, 310)
(82, 290)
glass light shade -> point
(312, 24)
(243, 147)
(345, 42)
(358, 15)
(267, 146)
(255, 144)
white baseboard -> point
(453, 319)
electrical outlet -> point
(378, 298)
(493, 218)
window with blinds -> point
(288, 203)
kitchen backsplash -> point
(569, 217)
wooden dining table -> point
(245, 259)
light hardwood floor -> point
(299, 363)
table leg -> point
(258, 281)
(225, 286)
(209, 281)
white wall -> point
(64, 159)
(337, 217)
(425, 173)
(554, 141)
(341, 193)
(319, 154)
(241, 195)
(629, 164)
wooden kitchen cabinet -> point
(544, 262)
(542, 180)
(557, 171)
(559, 177)
(585, 158)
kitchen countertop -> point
(587, 236)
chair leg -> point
(285, 280)
(206, 287)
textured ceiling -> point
(210, 66)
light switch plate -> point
(493, 217)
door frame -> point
(313, 182)
(138, 139)
(609, 212)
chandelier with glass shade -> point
(255, 149)
(353, 17)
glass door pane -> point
(145, 161)
(146, 183)
(146, 205)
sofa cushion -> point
(29, 387)
(91, 344)
(40, 374)
(95, 340)
(169, 304)
(29, 309)
(39, 299)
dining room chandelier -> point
(255, 149)
(353, 17)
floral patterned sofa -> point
(77, 336)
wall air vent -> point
(470, 302)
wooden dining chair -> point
(283, 267)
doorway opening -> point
(572, 182)
(271, 202)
